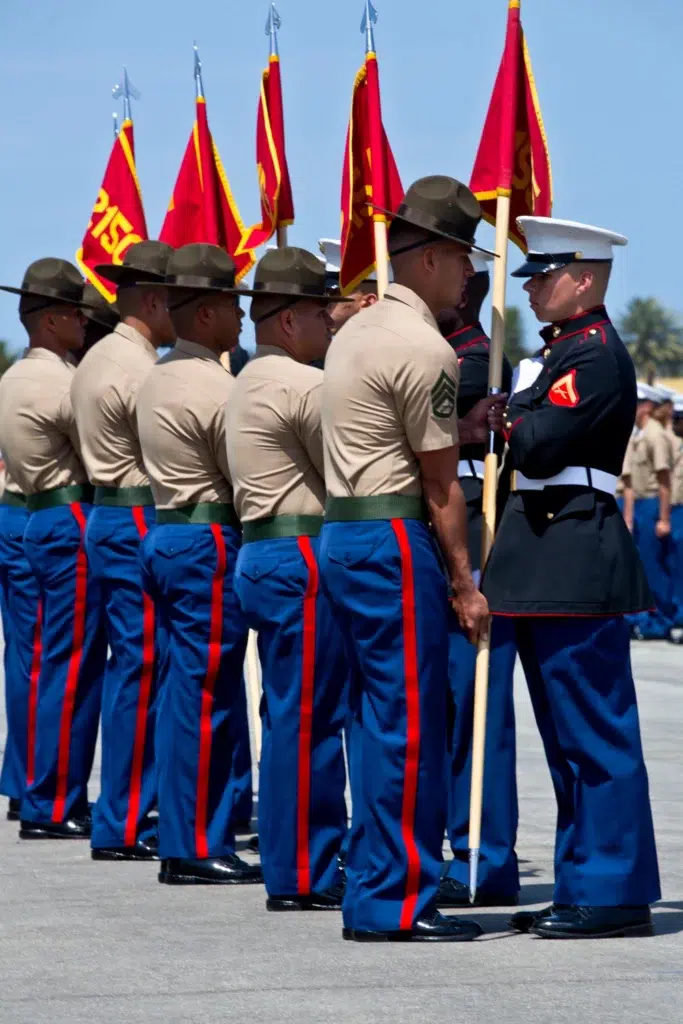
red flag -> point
(277, 205)
(202, 208)
(118, 219)
(370, 173)
(513, 157)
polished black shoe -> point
(595, 923)
(72, 828)
(329, 900)
(525, 919)
(144, 849)
(212, 871)
(253, 844)
(14, 809)
(455, 894)
(431, 927)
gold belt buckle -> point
(513, 480)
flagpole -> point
(481, 679)
(273, 23)
(379, 220)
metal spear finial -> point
(125, 90)
(366, 26)
(273, 23)
(198, 74)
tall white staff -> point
(511, 177)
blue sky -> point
(609, 75)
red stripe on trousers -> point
(212, 668)
(412, 688)
(303, 793)
(144, 693)
(73, 670)
(33, 695)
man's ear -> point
(368, 300)
(586, 281)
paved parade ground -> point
(86, 942)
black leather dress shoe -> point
(212, 871)
(253, 844)
(72, 828)
(525, 919)
(455, 894)
(13, 809)
(329, 900)
(144, 849)
(431, 927)
(595, 923)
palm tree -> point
(515, 342)
(6, 358)
(653, 336)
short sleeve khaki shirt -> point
(274, 437)
(104, 393)
(390, 391)
(649, 452)
(38, 435)
(181, 422)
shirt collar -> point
(399, 293)
(270, 350)
(45, 353)
(574, 325)
(131, 334)
(466, 337)
(191, 348)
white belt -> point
(572, 476)
(471, 468)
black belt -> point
(202, 513)
(381, 506)
(274, 527)
(124, 497)
(57, 496)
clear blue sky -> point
(609, 75)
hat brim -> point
(92, 314)
(57, 299)
(533, 267)
(204, 289)
(117, 272)
(435, 232)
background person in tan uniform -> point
(275, 453)
(391, 441)
(188, 564)
(40, 442)
(363, 295)
(104, 394)
(676, 631)
(647, 511)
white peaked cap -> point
(331, 251)
(557, 243)
(481, 262)
(648, 393)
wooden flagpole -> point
(381, 256)
(481, 681)
(281, 237)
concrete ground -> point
(86, 942)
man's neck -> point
(273, 341)
(51, 344)
(210, 346)
(142, 328)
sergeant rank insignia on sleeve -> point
(563, 392)
(443, 396)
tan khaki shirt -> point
(181, 420)
(390, 390)
(274, 436)
(104, 393)
(38, 436)
(677, 470)
(648, 453)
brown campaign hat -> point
(293, 274)
(443, 207)
(51, 278)
(98, 309)
(204, 268)
(143, 263)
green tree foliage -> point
(515, 337)
(6, 357)
(654, 338)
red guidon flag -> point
(370, 177)
(277, 205)
(118, 219)
(202, 208)
(513, 157)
